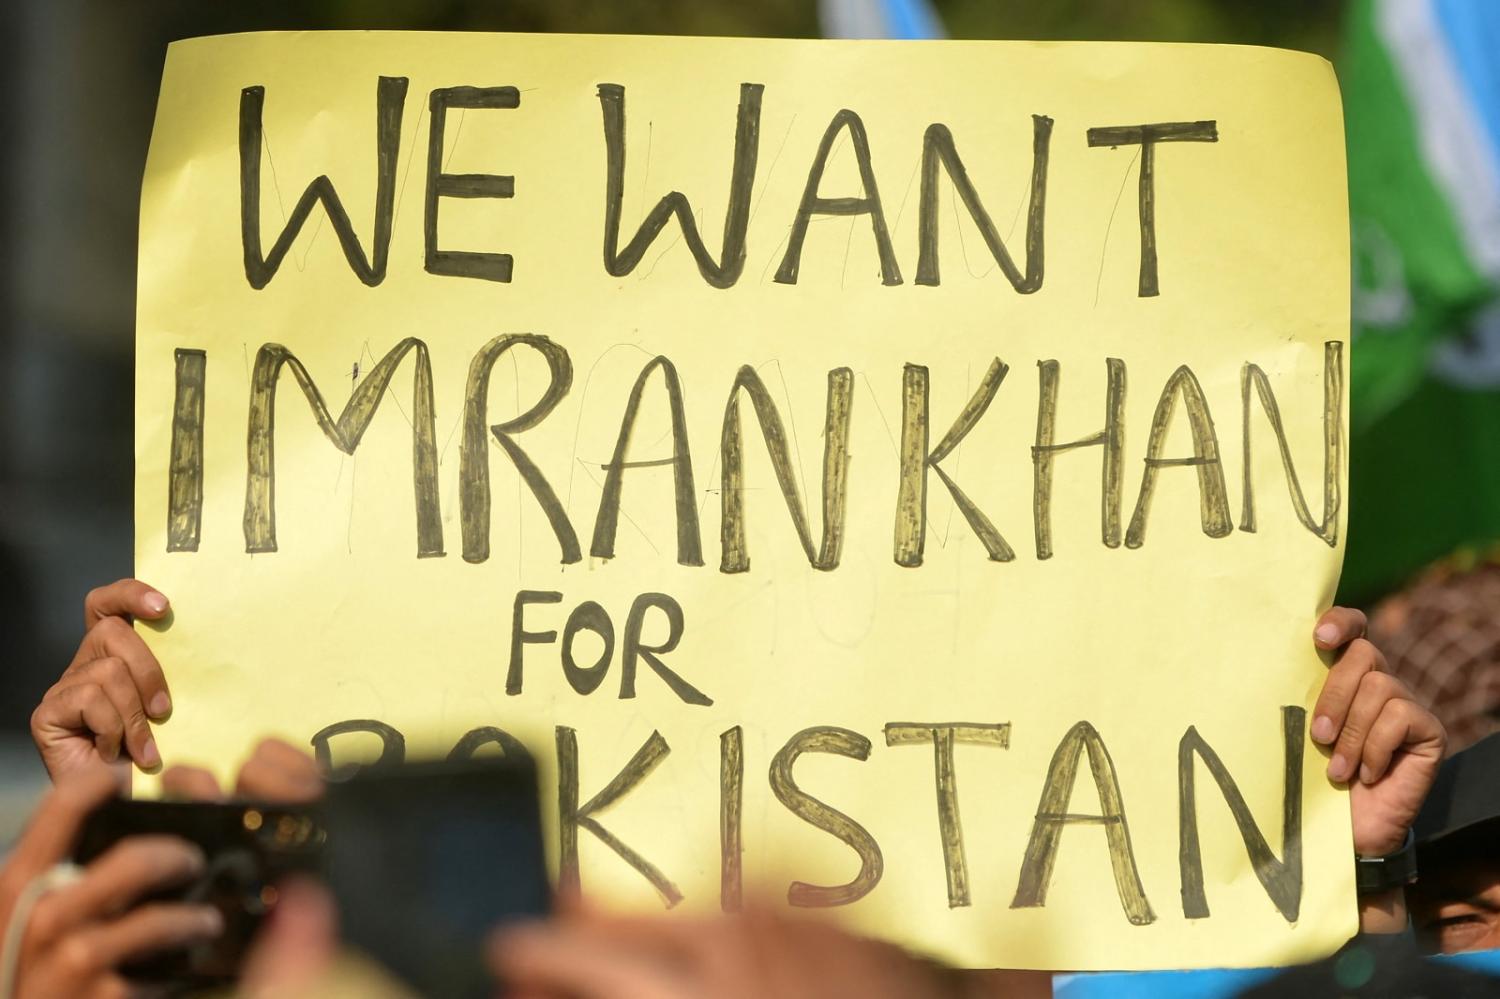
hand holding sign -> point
(1384, 744)
(113, 690)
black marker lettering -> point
(463, 263)
(827, 739)
(731, 811)
(345, 434)
(942, 738)
(476, 739)
(392, 747)
(520, 637)
(1213, 495)
(938, 148)
(734, 556)
(1052, 816)
(721, 273)
(1333, 443)
(916, 460)
(587, 616)
(1111, 439)
(185, 472)
(814, 204)
(474, 459)
(390, 102)
(1147, 136)
(1282, 879)
(571, 817)
(689, 540)
(634, 649)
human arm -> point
(1382, 743)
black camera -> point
(423, 859)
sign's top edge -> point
(759, 41)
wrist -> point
(1382, 846)
(1381, 880)
(1383, 913)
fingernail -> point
(155, 602)
(1338, 768)
(1366, 775)
(1322, 729)
(1326, 634)
(161, 706)
(150, 755)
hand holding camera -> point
(420, 862)
(69, 928)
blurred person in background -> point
(1441, 635)
(1455, 903)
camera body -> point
(422, 859)
(249, 847)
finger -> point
(115, 637)
(113, 677)
(1387, 735)
(148, 930)
(297, 946)
(190, 784)
(80, 709)
(683, 942)
(126, 871)
(49, 837)
(1339, 626)
(680, 940)
(553, 960)
(1340, 686)
(110, 985)
(125, 598)
(1375, 689)
(279, 772)
(287, 757)
(797, 953)
(1403, 726)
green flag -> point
(1421, 81)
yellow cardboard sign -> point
(892, 479)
